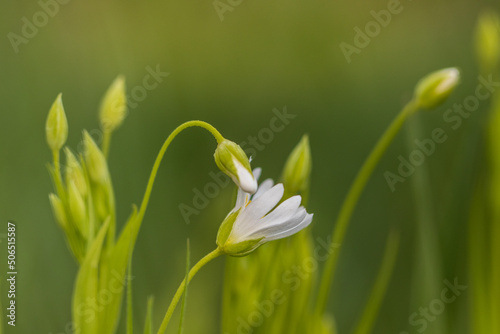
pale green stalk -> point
(163, 149)
(209, 257)
(427, 271)
(106, 141)
(367, 321)
(478, 264)
(58, 178)
(184, 295)
(352, 199)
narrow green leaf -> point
(85, 315)
(148, 326)
(130, 310)
(184, 297)
(113, 275)
(367, 320)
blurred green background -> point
(233, 73)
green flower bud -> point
(232, 160)
(95, 161)
(488, 41)
(56, 127)
(297, 171)
(113, 106)
(74, 173)
(58, 211)
(434, 89)
(78, 209)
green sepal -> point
(242, 248)
(226, 227)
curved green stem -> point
(352, 199)
(163, 149)
(209, 257)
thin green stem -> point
(57, 176)
(209, 257)
(163, 149)
(352, 199)
(106, 142)
(372, 308)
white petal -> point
(256, 173)
(263, 187)
(284, 211)
(272, 227)
(248, 219)
(292, 230)
(241, 199)
(246, 181)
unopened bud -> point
(74, 173)
(56, 127)
(113, 106)
(232, 160)
(297, 171)
(58, 210)
(435, 88)
(488, 41)
(78, 209)
(95, 161)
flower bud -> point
(58, 210)
(56, 127)
(232, 160)
(297, 171)
(488, 41)
(434, 89)
(95, 161)
(113, 106)
(78, 209)
(74, 173)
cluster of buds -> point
(84, 197)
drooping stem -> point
(352, 199)
(163, 149)
(209, 257)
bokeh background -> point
(233, 73)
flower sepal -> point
(241, 248)
(226, 228)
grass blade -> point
(367, 320)
(184, 297)
(130, 309)
(148, 326)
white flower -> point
(256, 219)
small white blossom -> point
(258, 219)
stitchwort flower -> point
(253, 221)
